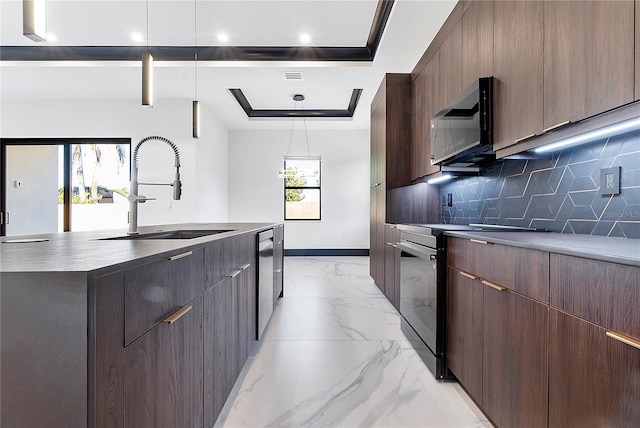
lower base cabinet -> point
(163, 374)
(594, 380)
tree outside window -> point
(302, 188)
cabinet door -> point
(220, 328)
(425, 95)
(464, 330)
(477, 42)
(593, 379)
(391, 287)
(518, 59)
(163, 374)
(450, 67)
(378, 135)
(247, 311)
(514, 378)
(588, 58)
(377, 242)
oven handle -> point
(417, 250)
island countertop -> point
(89, 251)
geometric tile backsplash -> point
(560, 193)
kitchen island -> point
(98, 332)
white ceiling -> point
(328, 85)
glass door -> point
(51, 186)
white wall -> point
(204, 161)
(256, 193)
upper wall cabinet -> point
(477, 42)
(450, 67)
(518, 59)
(425, 94)
(588, 58)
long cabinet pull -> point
(624, 339)
(179, 256)
(177, 314)
(236, 273)
(524, 138)
(478, 241)
(245, 267)
(468, 275)
(494, 285)
(551, 128)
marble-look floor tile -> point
(346, 384)
(335, 318)
(334, 355)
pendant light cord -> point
(306, 133)
(195, 42)
(147, 10)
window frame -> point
(318, 187)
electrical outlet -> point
(610, 181)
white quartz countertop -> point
(88, 251)
(616, 250)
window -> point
(302, 188)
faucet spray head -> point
(177, 187)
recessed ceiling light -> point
(305, 38)
(137, 37)
(223, 37)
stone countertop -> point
(617, 250)
(88, 251)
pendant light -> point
(195, 108)
(291, 173)
(147, 71)
(34, 20)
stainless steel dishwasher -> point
(265, 279)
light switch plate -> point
(610, 181)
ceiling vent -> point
(293, 75)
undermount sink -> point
(169, 234)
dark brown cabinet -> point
(390, 161)
(514, 358)
(518, 61)
(391, 287)
(164, 372)
(588, 58)
(465, 316)
(477, 42)
(450, 63)
(220, 350)
(425, 95)
(175, 361)
(497, 337)
(594, 352)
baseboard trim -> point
(327, 252)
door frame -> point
(66, 143)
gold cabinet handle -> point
(524, 138)
(478, 241)
(494, 285)
(177, 314)
(245, 267)
(236, 273)
(179, 256)
(551, 128)
(468, 275)
(624, 339)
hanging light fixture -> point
(291, 173)
(147, 70)
(34, 20)
(195, 108)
